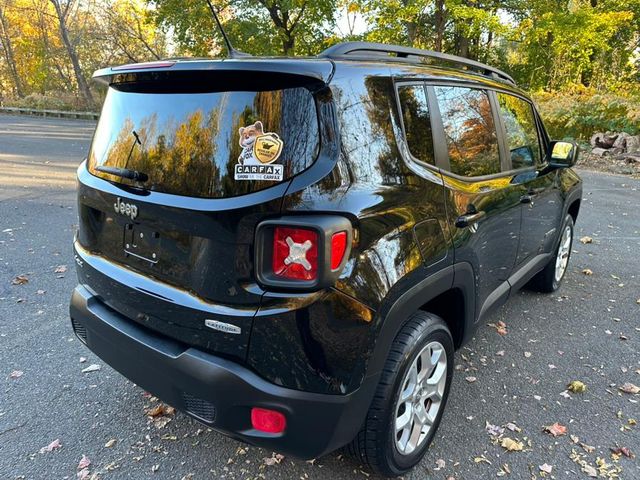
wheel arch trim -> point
(457, 276)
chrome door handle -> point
(468, 219)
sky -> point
(342, 26)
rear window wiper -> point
(124, 173)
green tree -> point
(262, 27)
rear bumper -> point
(216, 391)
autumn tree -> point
(7, 50)
(63, 11)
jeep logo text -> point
(128, 209)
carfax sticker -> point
(260, 150)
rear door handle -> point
(464, 221)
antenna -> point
(233, 53)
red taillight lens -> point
(338, 247)
(268, 421)
(295, 253)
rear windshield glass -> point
(212, 145)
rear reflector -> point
(338, 247)
(295, 253)
(268, 421)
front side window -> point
(522, 134)
(416, 120)
(469, 130)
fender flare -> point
(394, 316)
(572, 196)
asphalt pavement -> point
(588, 331)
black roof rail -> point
(380, 50)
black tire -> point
(545, 281)
(375, 445)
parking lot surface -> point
(509, 385)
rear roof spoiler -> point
(318, 69)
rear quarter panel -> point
(391, 207)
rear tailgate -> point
(175, 251)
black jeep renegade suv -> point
(290, 250)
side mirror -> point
(564, 154)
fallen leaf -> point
(60, 269)
(607, 470)
(546, 468)
(587, 271)
(511, 445)
(52, 446)
(41, 292)
(161, 422)
(527, 354)
(590, 470)
(160, 409)
(440, 464)
(83, 474)
(482, 459)
(513, 427)
(556, 429)
(16, 374)
(155, 411)
(585, 240)
(83, 359)
(155, 468)
(623, 451)
(470, 379)
(500, 353)
(84, 462)
(630, 388)
(577, 386)
(493, 430)
(502, 328)
(91, 368)
(274, 459)
(20, 280)
(504, 470)
(110, 443)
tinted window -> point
(417, 124)
(522, 134)
(469, 130)
(190, 143)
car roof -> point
(402, 71)
(402, 62)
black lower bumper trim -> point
(216, 391)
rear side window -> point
(469, 130)
(214, 144)
(522, 133)
(416, 121)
